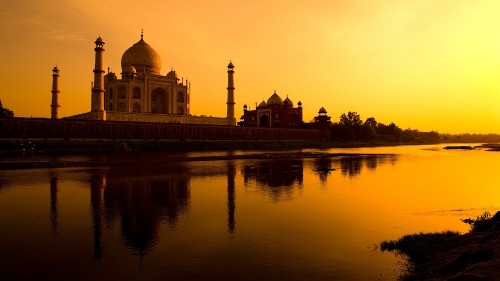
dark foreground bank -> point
(84, 146)
(74, 146)
(453, 256)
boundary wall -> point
(20, 127)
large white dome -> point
(142, 56)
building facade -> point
(142, 94)
(275, 113)
(142, 89)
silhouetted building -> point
(280, 113)
(322, 121)
(142, 94)
(275, 112)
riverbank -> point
(114, 160)
(74, 146)
(453, 256)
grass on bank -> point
(450, 255)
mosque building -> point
(275, 113)
(142, 93)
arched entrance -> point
(159, 101)
(264, 120)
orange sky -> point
(427, 64)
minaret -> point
(54, 107)
(97, 101)
(230, 94)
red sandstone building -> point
(278, 113)
(275, 113)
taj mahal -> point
(142, 94)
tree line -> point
(352, 128)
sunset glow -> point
(427, 65)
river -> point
(242, 219)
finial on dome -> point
(142, 33)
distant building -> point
(278, 113)
(322, 121)
(142, 93)
(275, 113)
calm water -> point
(237, 220)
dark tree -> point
(352, 119)
(367, 132)
(5, 112)
(372, 122)
(342, 132)
(350, 124)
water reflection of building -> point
(231, 196)
(277, 177)
(140, 200)
(54, 214)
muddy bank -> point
(491, 146)
(11, 164)
(453, 256)
(73, 146)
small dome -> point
(172, 74)
(322, 110)
(299, 104)
(263, 103)
(55, 69)
(274, 99)
(230, 65)
(129, 69)
(99, 40)
(288, 102)
(142, 56)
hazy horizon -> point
(426, 65)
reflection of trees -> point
(371, 161)
(323, 167)
(140, 199)
(278, 177)
(350, 166)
